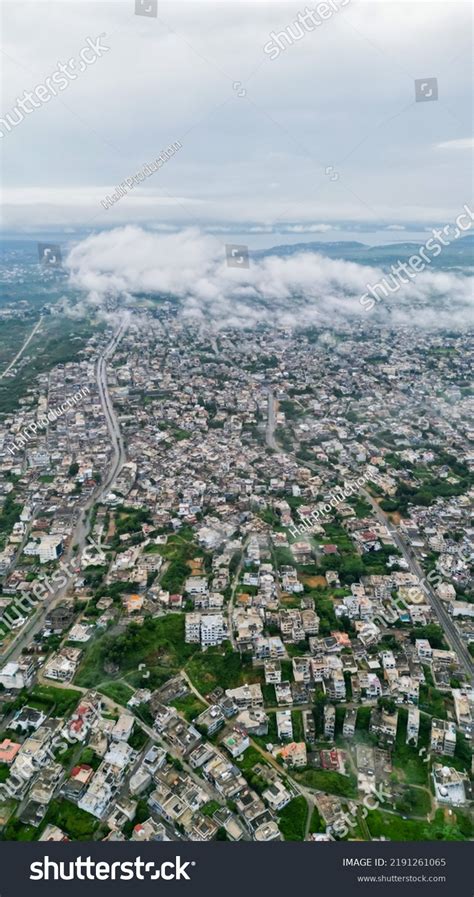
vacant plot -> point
(406, 759)
(292, 819)
(219, 666)
(313, 582)
(414, 802)
(316, 824)
(79, 825)
(388, 825)
(116, 691)
(326, 780)
(157, 643)
(56, 701)
(189, 706)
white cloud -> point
(463, 143)
(295, 290)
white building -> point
(213, 629)
(413, 725)
(123, 727)
(208, 629)
(17, 675)
(284, 725)
(449, 785)
(193, 628)
(443, 737)
(423, 649)
(49, 548)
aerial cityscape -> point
(236, 484)
(236, 592)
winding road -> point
(24, 346)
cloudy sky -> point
(323, 141)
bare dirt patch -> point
(314, 581)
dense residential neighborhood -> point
(237, 598)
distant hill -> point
(459, 253)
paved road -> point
(24, 346)
(118, 448)
(271, 423)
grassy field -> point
(406, 759)
(316, 824)
(58, 340)
(457, 827)
(220, 666)
(414, 802)
(292, 819)
(79, 825)
(158, 643)
(327, 780)
(297, 722)
(116, 691)
(189, 706)
(56, 701)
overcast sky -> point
(257, 133)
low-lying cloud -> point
(297, 290)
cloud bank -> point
(298, 290)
